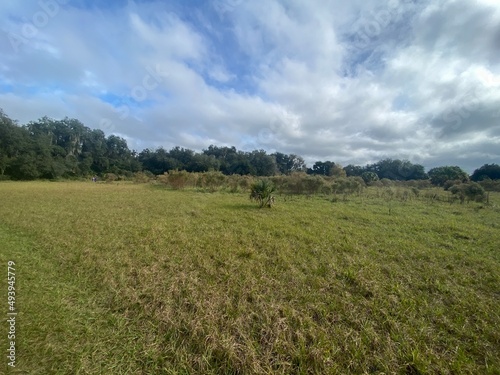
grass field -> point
(137, 279)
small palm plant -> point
(262, 192)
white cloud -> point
(351, 82)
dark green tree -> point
(287, 164)
(440, 175)
(326, 168)
(224, 155)
(354, 170)
(14, 142)
(184, 157)
(262, 163)
(491, 171)
(395, 169)
(203, 163)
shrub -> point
(349, 185)
(386, 182)
(212, 180)
(313, 184)
(163, 178)
(262, 192)
(490, 185)
(450, 183)
(280, 182)
(232, 183)
(295, 183)
(369, 178)
(236, 183)
(179, 179)
(142, 177)
(110, 177)
(469, 191)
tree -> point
(440, 175)
(491, 171)
(327, 168)
(287, 164)
(239, 163)
(158, 161)
(354, 170)
(94, 151)
(395, 169)
(14, 142)
(263, 164)
(119, 155)
(224, 155)
(203, 163)
(183, 156)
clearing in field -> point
(136, 279)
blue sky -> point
(351, 82)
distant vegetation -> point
(54, 149)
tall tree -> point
(14, 142)
(287, 164)
(262, 163)
(395, 169)
(354, 170)
(224, 155)
(491, 171)
(327, 168)
(440, 175)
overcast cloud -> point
(351, 82)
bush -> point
(386, 182)
(232, 183)
(212, 180)
(262, 192)
(450, 183)
(490, 185)
(245, 182)
(236, 183)
(110, 177)
(369, 178)
(281, 183)
(178, 180)
(295, 183)
(349, 185)
(470, 191)
(313, 184)
(142, 177)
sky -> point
(353, 82)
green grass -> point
(135, 279)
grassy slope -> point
(132, 279)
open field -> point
(137, 279)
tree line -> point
(52, 149)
